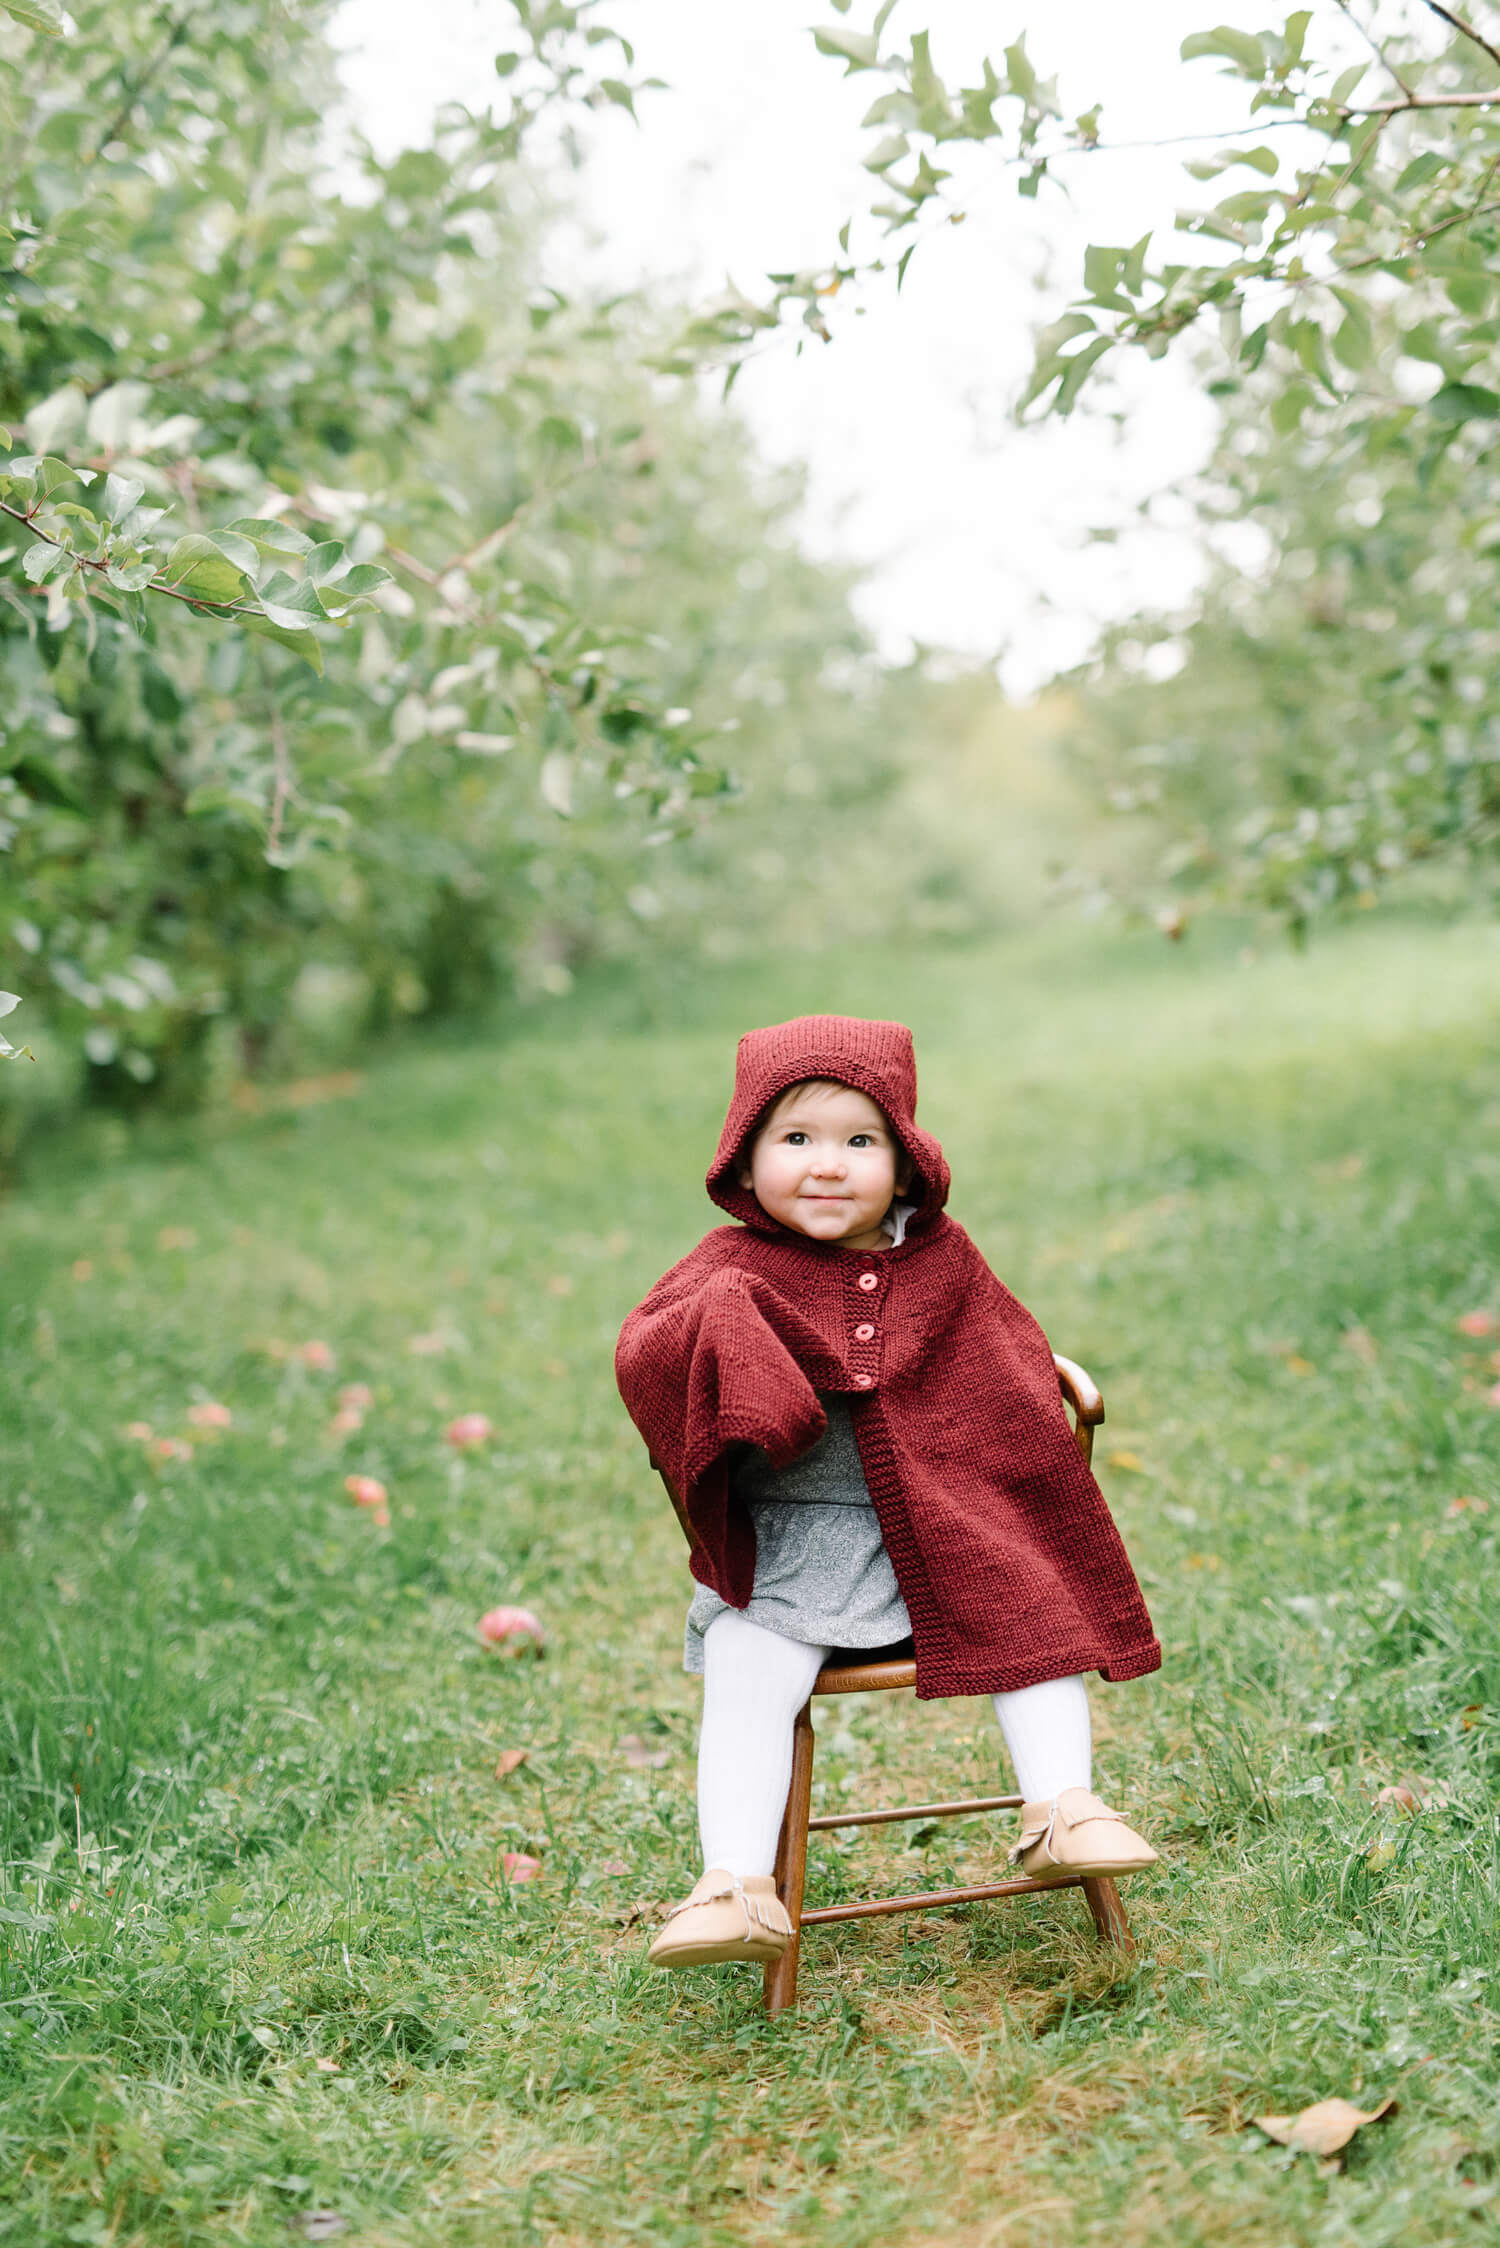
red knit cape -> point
(1010, 1566)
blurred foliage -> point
(1336, 719)
(1328, 721)
(371, 615)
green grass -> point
(260, 1957)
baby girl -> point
(863, 1432)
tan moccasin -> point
(1075, 1836)
(724, 1917)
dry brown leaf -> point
(1401, 1798)
(510, 1760)
(642, 1758)
(1361, 1343)
(1131, 1462)
(1324, 2127)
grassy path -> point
(260, 1956)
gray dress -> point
(822, 1574)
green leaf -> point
(37, 15)
(270, 537)
(121, 494)
(616, 90)
(1077, 369)
(197, 566)
(40, 560)
(506, 64)
(1020, 70)
(1249, 208)
(1288, 408)
(298, 643)
(1421, 169)
(1294, 34)
(1345, 83)
(324, 561)
(363, 578)
(41, 778)
(1464, 401)
(859, 49)
(1354, 338)
(1239, 47)
(1101, 269)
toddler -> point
(865, 1435)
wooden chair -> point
(1102, 1896)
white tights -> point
(754, 1683)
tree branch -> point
(153, 585)
(1451, 15)
(283, 784)
(1376, 49)
(121, 117)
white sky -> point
(973, 530)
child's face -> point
(826, 1163)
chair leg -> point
(791, 1864)
(1109, 1914)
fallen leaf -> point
(614, 1866)
(139, 1432)
(331, 2067)
(519, 1865)
(210, 1415)
(176, 1237)
(366, 1490)
(1400, 1798)
(1131, 1462)
(641, 1758)
(318, 1355)
(356, 1397)
(510, 1760)
(1323, 2128)
(319, 2224)
(1361, 1344)
(1468, 1504)
(1471, 1714)
(560, 1284)
(346, 1421)
(83, 1269)
(1380, 1855)
(426, 1346)
(1295, 1364)
(1478, 1323)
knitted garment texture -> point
(1009, 1563)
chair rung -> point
(928, 1899)
(918, 1811)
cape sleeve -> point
(714, 1357)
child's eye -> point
(860, 1139)
(796, 1139)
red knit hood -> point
(874, 1058)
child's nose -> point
(829, 1165)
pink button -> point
(863, 1331)
(864, 1381)
(868, 1280)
